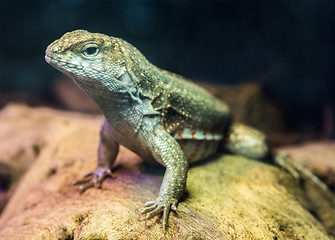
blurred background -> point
(286, 48)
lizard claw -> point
(153, 208)
(94, 179)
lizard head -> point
(94, 61)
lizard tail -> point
(247, 141)
(319, 198)
(297, 170)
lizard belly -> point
(196, 150)
(196, 143)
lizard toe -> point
(163, 206)
(157, 210)
(150, 203)
(165, 216)
(149, 209)
(84, 187)
(94, 179)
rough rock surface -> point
(228, 197)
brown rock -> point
(228, 197)
(249, 104)
(71, 97)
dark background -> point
(287, 46)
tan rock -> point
(228, 197)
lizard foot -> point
(94, 179)
(298, 171)
(284, 161)
(161, 205)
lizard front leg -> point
(107, 152)
(168, 152)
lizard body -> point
(159, 115)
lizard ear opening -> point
(125, 78)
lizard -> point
(159, 115)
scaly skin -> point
(157, 114)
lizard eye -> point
(91, 50)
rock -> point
(228, 197)
(249, 104)
(24, 132)
(71, 97)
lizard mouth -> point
(47, 56)
(54, 60)
(51, 60)
(60, 64)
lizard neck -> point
(121, 105)
(150, 79)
